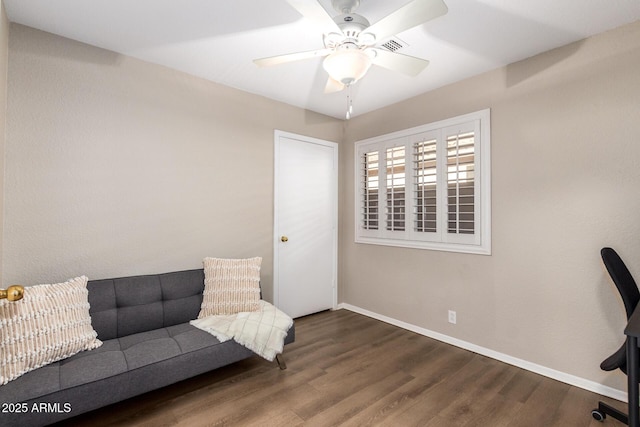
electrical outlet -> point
(452, 317)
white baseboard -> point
(520, 363)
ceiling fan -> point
(351, 43)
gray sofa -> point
(148, 343)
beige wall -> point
(4, 59)
(118, 167)
(565, 182)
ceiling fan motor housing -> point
(351, 24)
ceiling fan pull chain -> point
(349, 103)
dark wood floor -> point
(349, 370)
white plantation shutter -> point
(460, 183)
(395, 188)
(463, 191)
(427, 187)
(460, 198)
(369, 186)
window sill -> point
(484, 249)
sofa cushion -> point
(189, 338)
(103, 308)
(230, 286)
(131, 305)
(90, 366)
(50, 323)
(182, 295)
(140, 310)
(148, 347)
(114, 357)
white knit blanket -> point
(262, 331)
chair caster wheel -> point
(597, 415)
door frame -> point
(276, 192)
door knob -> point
(284, 239)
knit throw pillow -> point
(51, 322)
(230, 286)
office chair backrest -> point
(622, 279)
(630, 296)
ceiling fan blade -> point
(290, 57)
(409, 65)
(333, 86)
(314, 12)
(408, 16)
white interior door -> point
(305, 229)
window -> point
(427, 187)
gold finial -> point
(12, 293)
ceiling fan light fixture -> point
(347, 65)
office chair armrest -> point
(617, 360)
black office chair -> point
(630, 297)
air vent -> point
(394, 45)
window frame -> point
(477, 243)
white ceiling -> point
(218, 39)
